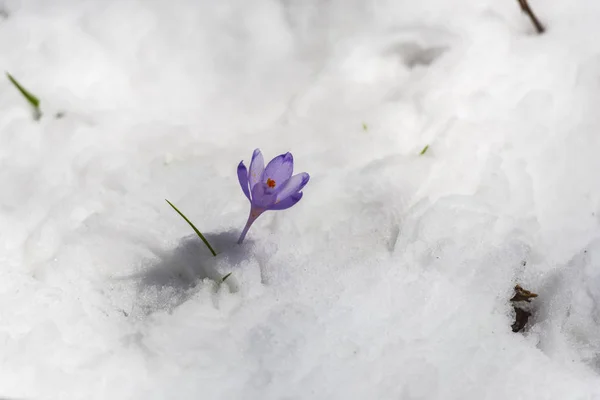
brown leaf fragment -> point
(522, 294)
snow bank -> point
(391, 279)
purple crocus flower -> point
(270, 188)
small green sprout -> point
(424, 150)
(226, 276)
(201, 236)
(31, 99)
(365, 127)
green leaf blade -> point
(226, 276)
(200, 235)
(32, 99)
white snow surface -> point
(391, 279)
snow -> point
(391, 279)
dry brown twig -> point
(536, 22)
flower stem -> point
(245, 231)
(251, 218)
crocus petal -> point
(293, 185)
(257, 166)
(261, 197)
(243, 178)
(278, 171)
(287, 202)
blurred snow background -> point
(389, 280)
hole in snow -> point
(521, 302)
(172, 278)
(414, 55)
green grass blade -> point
(424, 150)
(226, 276)
(201, 236)
(31, 99)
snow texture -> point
(391, 279)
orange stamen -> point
(271, 183)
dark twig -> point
(527, 10)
